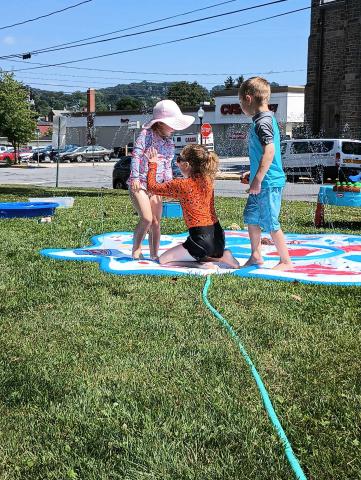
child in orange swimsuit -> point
(195, 192)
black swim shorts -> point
(206, 241)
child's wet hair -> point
(258, 88)
(203, 162)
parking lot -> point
(99, 175)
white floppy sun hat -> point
(168, 112)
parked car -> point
(25, 154)
(49, 154)
(7, 158)
(4, 148)
(89, 153)
(46, 154)
(320, 158)
(65, 151)
(121, 171)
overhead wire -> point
(200, 74)
(188, 22)
(45, 15)
(169, 42)
(149, 23)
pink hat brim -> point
(177, 123)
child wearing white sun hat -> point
(157, 133)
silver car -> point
(89, 153)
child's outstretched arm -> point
(173, 188)
(264, 165)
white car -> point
(5, 148)
(321, 158)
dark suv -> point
(48, 153)
(121, 171)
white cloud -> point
(9, 40)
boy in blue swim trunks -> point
(266, 175)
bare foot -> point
(137, 255)
(253, 261)
(283, 267)
(207, 266)
(229, 260)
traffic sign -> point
(133, 125)
(206, 130)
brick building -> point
(333, 90)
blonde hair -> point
(256, 87)
(203, 162)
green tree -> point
(17, 119)
(239, 81)
(129, 103)
(229, 82)
(215, 89)
(187, 94)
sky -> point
(275, 45)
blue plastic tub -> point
(172, 210)
(27, 209)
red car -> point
(7, 158)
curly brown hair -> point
(203, 162)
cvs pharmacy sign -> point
(235, 108)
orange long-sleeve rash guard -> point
(196, 196)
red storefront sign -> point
(235, 108)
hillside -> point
(137, 95)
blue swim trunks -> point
(264, 209)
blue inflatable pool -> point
(27, 209)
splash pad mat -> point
(333, 259)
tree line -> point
(140, 96)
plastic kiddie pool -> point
(27, 209)
(63, 202)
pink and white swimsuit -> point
(139, 166)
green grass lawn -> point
(109, 377)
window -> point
(299, 148)
(283, 148)
(320, 147)
(351, 148)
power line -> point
(168, 42)
(46, 15)
(137, 80)
(145, 24)
(175, 74)
(188, 22)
